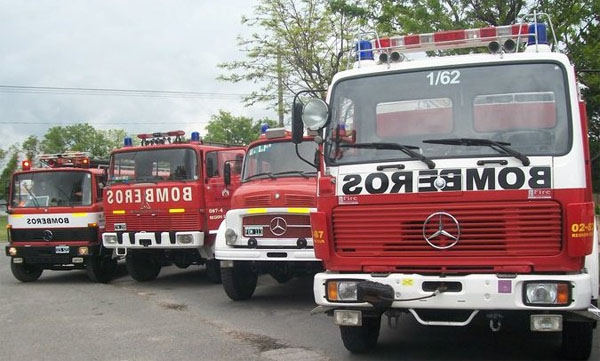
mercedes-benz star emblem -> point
(278, 226)
(441, 230)
(47, 235)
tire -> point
(577, 339)
(239, 281)
(26, 272)
(281, 274)
(101, 268)
(142, 267)
(362, 338)
(213, 271)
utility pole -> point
(279, 89)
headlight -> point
(110, 238)
(185, 238)
(83, 251)
(230, 237)
(12, 251)
(342, 290)
(547, 293)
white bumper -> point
(271, 249)
(479, 292)
(147, 240)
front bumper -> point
(478, 292)
(268, 254)
(48, 255)
(153, 240)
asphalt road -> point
(182, 316)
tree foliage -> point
(9, 169)
(227, 128)
(31, 147)
(81, 137)
(309, 40)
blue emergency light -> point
(542, 37)
(263, 128)
(127, 142)
(364, 50)
(195, 136)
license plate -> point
(120, 226)
(253, 231)
(62, 249)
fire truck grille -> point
(486, 229)
(189, 221)
(58, 234)
(258, 201)
(278, 225)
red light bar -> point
(451, 39)
(26, 164)
(67, 159)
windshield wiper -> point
(268, 174)
(33, 197)
(500, 147)
(300, 172)
(406, 149)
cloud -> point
(150, 45)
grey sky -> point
(142, 44)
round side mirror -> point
(315, 114)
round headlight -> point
(230, 237)
(315, 114)
(12, 251)
(544, 293)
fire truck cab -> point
(456, 187)
(55, 218)
(165, 200)
(268, 229)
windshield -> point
(51, 189)
(155, 165)
(522, 105)
(279, 159)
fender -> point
(592, 263)
(220, 238)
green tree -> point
(300, 42)
(81, 137)
(31, 148)
(9, 169)
(229, 129)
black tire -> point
(213, 271)
(577, 339)
(142, 267)
(361, 339)
(239, 281)
(281, 275)
(26, 272)
(101, 269)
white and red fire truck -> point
(165, 200)
(268, 229)
(456, 187)
(55, 218)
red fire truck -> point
(55, 218)
(267, 229)
(165, 200)
(456, 187)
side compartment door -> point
(217, 194)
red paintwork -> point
(391, 214)
(96, 206)
(206, 194)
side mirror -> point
(297, 125)
(227, 173)
(104, 177)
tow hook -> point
(393, 317)
(495, 321)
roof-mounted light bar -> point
(162, 137)
(452, 39)
(66, 159)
